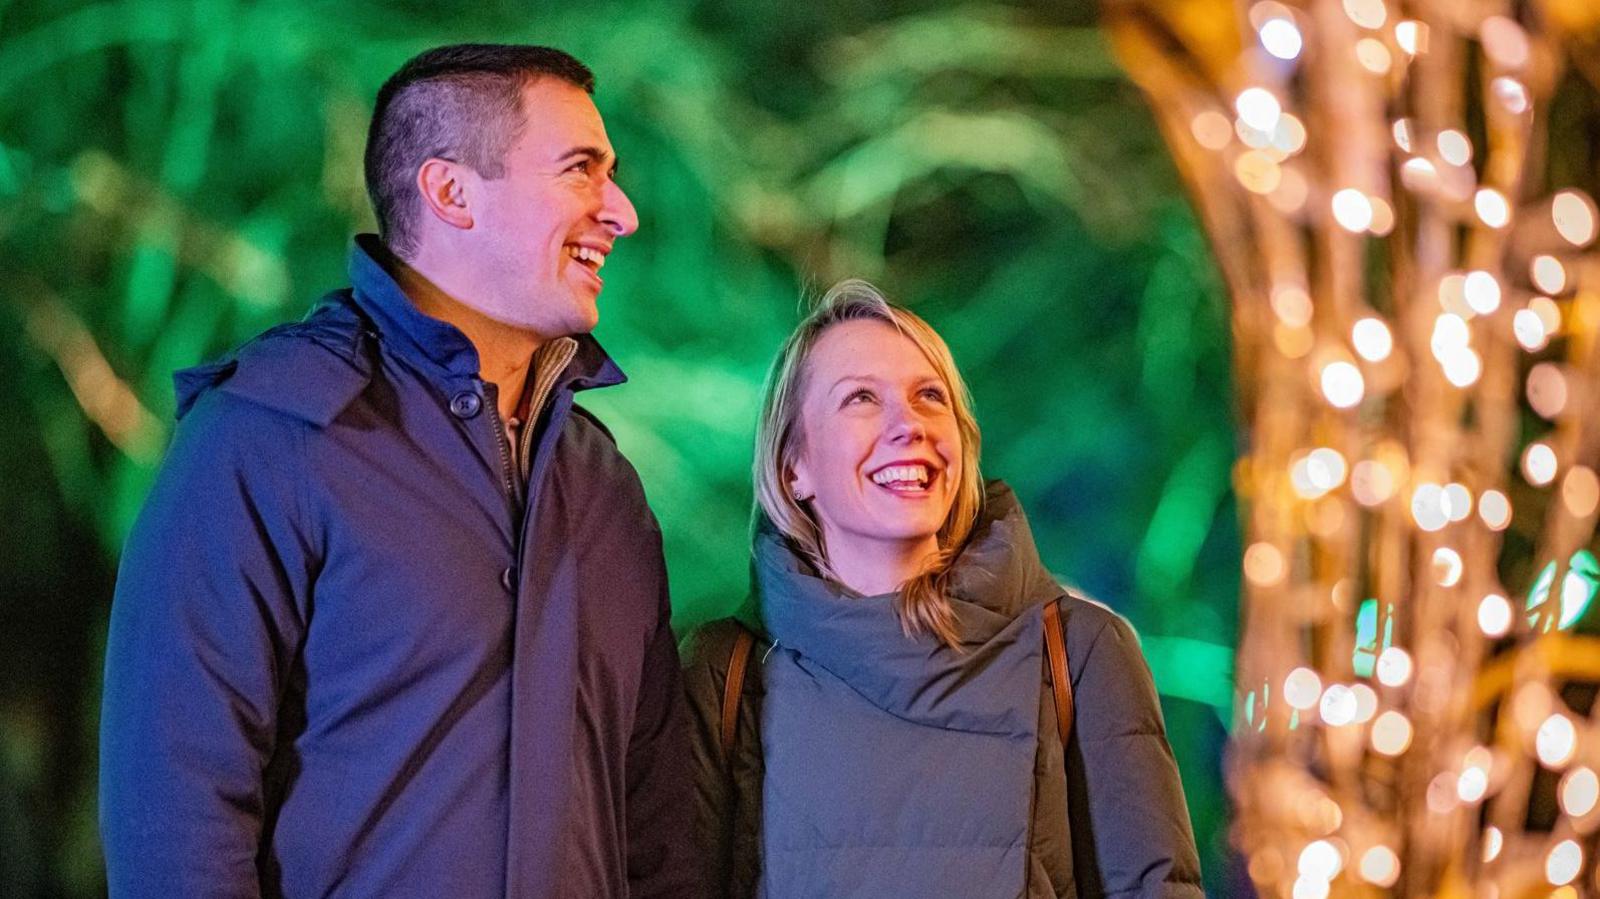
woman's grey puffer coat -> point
(1108, 820)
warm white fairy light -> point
(1391, 733)
(1292, 305)
(1281, 38)
(1408, 35)
(1401, 129)
(1457, 501)
(1352, 210)
(1338, 706)
(1371, 482)
(1371, 339)
(1211, 129)
(1492, 207)
(1382, 216)
(1373, 56)
(1454, 147)
(1450, 334)
(1321, 860)
(1258, 108)
(1529, 330)
(1366, 13)
(1441, 794)
(1548, 312)
(1511, 93)
(1366, 702)
(1257, 172)
(1264, 565)
(1290, 135)
(1342, 384)
(1579, 791)
(1428, 507)
(1394, 667)
(1547, 274)
(1309, 888)
(1472, 784)
(1481, 291)
(1547, 391)
(1539, 464)
(1580, 491)
(1419, 175)
(1495, 510)
(1574, 217)
(1494, 615)
(1379, 865)
(1302, 688)
(1504, 41)
(1556, 740)
(1446, 566)
(1493, 842)
(1564, 863)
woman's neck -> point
(875, 567)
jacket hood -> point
(997, 580)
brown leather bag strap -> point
(738, 660)
(1055, 645)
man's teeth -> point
(902, 475)
(587, 254)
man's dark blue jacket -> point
(347, 658)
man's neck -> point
(504, 352)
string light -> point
(1366, 13)
(1556, 740)
(1373, 56)
(1494, 615)
(1511, 93)
(1580, 491)
(1573, 214)
(1492, 207)
(1342, 384)
(1548, 312)
(1446, 566)
(1547, 393)
(1391, 733)
(1371, 339)
(1493, 841)
(1211, 129)
(1539, 464)
(1352, 210)
(1281, 38)
(1379, 865)
(1579, 791)
(1529, 330)
(1482, 291)
(1258, 108)
(1563, 863)
(1454, 147)
(1504, 41)
(1394, 667)
(1494, 509)
(1547, 274)
(1408, 35)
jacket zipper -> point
(509, 475)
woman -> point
(895, 734)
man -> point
(394, 619)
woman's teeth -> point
(902, 477)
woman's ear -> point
(800, 483)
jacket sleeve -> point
(658, 778)
(1135, 836)
(205, 622)
(705, 664)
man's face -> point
(546, 226)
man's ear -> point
(443, 185)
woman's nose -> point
(906, 427)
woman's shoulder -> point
(706, 652)
(711, 644)
(1096, 634)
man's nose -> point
(617, 211)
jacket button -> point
(465, 404)
(508, 579)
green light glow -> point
(1578, 590)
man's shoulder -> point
(309, 369)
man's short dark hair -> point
(462, 103)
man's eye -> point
(581, 167)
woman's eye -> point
(934, 394)
(859, 396)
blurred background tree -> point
(177, 175)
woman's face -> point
(880, 458)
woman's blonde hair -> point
(923, 605)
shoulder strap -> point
(738, 660)
(1060, 682)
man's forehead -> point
(561, 117)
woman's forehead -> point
(868, 349)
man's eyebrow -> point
(594, 153)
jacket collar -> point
(422, 337)
(996, 589)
